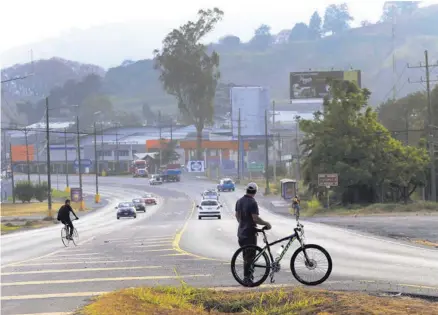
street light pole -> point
(49, 182)
(37, 157)
(97, 197)
(81, 207)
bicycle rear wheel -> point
(64, 239)
(298, 262)
(75, 238)
(259, 266)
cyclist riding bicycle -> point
(247, 214)
(64, 217)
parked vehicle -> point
(171, 175)
(226, 184)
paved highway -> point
(169, 244)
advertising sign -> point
(288, 188)
(251, 101)
(328, 180)
(256, 166)
(196, 166)
(84, 163)
(75, 194)
(314, 84)
(19, 153)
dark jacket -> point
(64, 213)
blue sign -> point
(84, 163)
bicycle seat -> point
(262, 230)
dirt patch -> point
(185, 300)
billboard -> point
(314, 84)
(19, 153)
(252, 101)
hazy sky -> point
(27, 21)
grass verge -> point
(30, 209)
(185, 300)
(374, 209)
(17, 225)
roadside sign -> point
(196, 166)
(330, 180)
(84, 163)
(76, 194)
(256, 166)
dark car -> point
(126, 210)
(139, 204)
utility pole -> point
(429, 122)
(12, 173)
(275, 149)
(81, 207)
(267, 190)
(67, 189)
(297, 120)
(37, 157)
(101, 148)
(49, 181)
(171, 130)
(27, 155)
(159, 136)
(239, 124)
(97, 197)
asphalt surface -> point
(168, 245)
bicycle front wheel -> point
(75, 238)
(254, 266)
(318, 266)
(64, 238)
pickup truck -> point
(226, 184)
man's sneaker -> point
(248, 281)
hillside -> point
(367, 48)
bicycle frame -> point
(267, 246)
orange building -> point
(19, 153)
(155, 144)
(212, 148)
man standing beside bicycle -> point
(64, 216)
(247, 214)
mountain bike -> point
(66, 240)
(261, 258)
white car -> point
(210, 194)
(209, 208)
(155, 180)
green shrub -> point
(24, 191)
(40, 191)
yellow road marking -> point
(62, 313)
(154, 242)
(137, 239)
(179, 234)
(76, 270)
(179, 254)
(75, 262)
(4, 284)
(50, 296)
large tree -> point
(347, 139)
(299, 32)
(337, 18)
(189, 72)
(394, 9)
(262, 37)
(315, 26)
